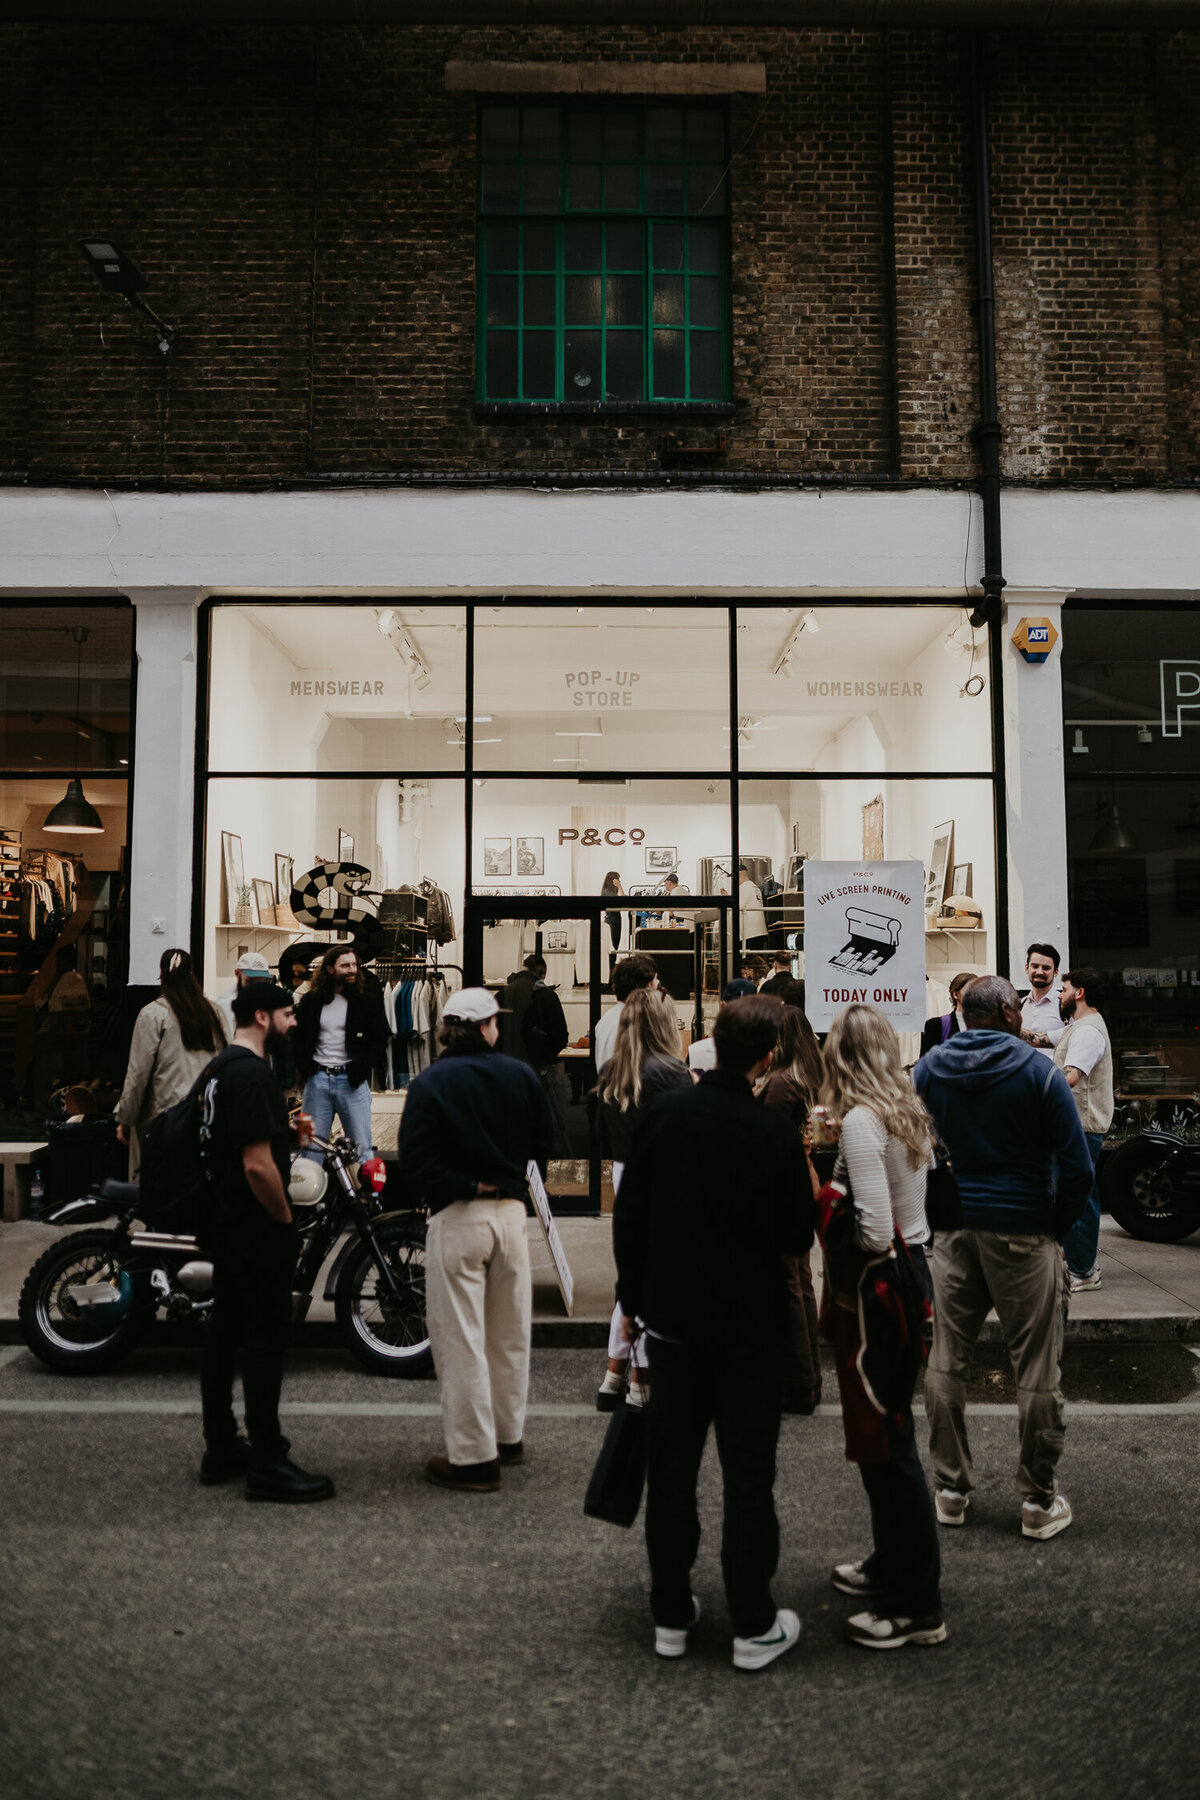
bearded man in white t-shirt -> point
(1084, 1054)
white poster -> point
(864, 939)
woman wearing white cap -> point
(471, 1124)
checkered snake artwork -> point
(353, 909)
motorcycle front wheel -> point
(57, 1323)
(1141, 1186)
(385, 1330)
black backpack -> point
(176, 1173)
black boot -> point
(282, 1480)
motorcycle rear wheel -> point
(67, 1337)
(1142, 1191)
(387, 1335)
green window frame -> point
(603, 255)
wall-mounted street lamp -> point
(121, 275)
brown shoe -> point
(469, 1478)
(512, 1453)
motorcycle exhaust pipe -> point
(162, 1240)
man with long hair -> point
(341, 1031)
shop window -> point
(575, 689)
(1131, 719)
(398, 839)
(603, 266)
(65, 687)
(342, 687)
(836, 689)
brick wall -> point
(302, 201)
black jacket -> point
(931, 1031)
(477, 1116)
(715, 1193)
(366, 1034)
(660, 1075)
(536, 1028)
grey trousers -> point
(1022, 1277)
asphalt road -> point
(158, 1638)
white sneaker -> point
(951, 1506)
(671, 1642)
(756, 1653)
(1084, 1284)
(1045, 1521)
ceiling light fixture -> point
(74, 814)
(1112, 835)
(1145, 736)
(1079, 748)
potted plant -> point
(242, 915)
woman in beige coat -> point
(174, 1038)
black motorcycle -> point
(1151, 1186)
(88, 1300)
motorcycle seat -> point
(121, 1193)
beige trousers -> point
(478, 1306)
(1022, 1277)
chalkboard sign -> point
(558, 1256)
(1110, 908)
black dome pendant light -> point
(74, 813)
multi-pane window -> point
(603, 254)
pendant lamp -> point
(74, 814)
(1112, 835)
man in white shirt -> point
(628, 975)
(1041, 1022)
(753, 915)
(1084, 1054)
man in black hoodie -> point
(1010, 1124)
(535, 1032)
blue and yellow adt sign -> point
(1035, 639)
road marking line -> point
(431, 1409)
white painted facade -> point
(169, 551)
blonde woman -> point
(645, 1063)
(792, 1089)
(885, 1153)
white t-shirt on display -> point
(331, 1037)
(702, 1055)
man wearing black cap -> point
(471, 1125)
(254, 1246)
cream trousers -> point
(478, 1306)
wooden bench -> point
(14, 1158)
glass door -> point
(580, 942)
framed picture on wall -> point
(497, 857)
(283, 879)
(961, 879)
(938, 867)
(345, 847)
(233, 871)
(661, 860)
(531, 856)
(264, 901)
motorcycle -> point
(1151, 1186)
(89, 1300)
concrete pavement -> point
(158, 1638)
(1151, 1292)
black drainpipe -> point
(987, 431)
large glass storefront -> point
(65, 714)
(1131, 718)
(508, 777)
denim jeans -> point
(326, 1094)
(1081, 1246)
